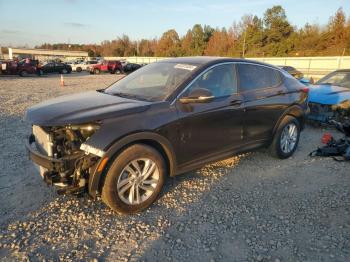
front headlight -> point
(86, 130)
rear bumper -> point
(50, 163)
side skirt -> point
(195, 164)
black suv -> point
(164, 119)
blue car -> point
(329, 97)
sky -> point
(33, 22)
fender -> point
(142, 137)
(294, 110)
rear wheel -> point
(23, 73)
(97, 71)
(134, 180)
(79, 69)
(64, 71)
(286, 138)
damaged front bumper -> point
(50, 163)
(55, 168)
(322, 112)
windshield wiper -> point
(123, 95)
(130, 96)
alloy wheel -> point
(138, 181)
(289, 138)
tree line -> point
(252, 36)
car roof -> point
(342, 70)
(210, 60)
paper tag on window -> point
(185, 67)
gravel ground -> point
(247, 208)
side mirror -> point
(199, 95)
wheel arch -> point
(154, 140)
(295, 111)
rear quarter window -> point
(252, 77)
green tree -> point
(169, 44)
(336, 35)
(147, 47)
(194, 43)
(221, 43)
(277, 31)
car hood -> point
(328, 94)
(82, 108)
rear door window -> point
(252, 77)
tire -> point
(286, 140)
(40, 72)
(64, 71)
(97, 71)
(79, 69)
(118, 72)
(23, 73)
(118, 174)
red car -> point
(22, 68)
(113, 67)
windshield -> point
(336, 78)
(154, 82)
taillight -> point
(305, 90)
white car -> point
(85, 66)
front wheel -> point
(64, 71)
(134, 180)
(286, 138)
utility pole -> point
(343, 52)
(243, 52)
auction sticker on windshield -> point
(186, 67)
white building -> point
(44, 54)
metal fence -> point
(314, 67)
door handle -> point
(236, 102)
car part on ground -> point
(167, 118)
(330, 97)
(336, 148)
